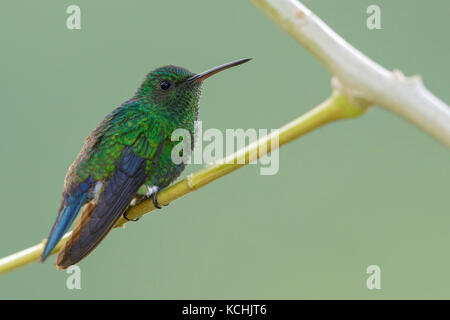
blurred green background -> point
(374, 190)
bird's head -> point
(174, 90)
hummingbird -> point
(131, 148)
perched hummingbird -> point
(130, 148)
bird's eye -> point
(164, 85)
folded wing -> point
(98, 219)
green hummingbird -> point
(129, 149)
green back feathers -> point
(163, 103)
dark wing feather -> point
(97, 221)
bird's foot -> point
(128, 219)
(154, 190)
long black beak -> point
(206, 74)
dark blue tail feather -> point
(66, 216)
